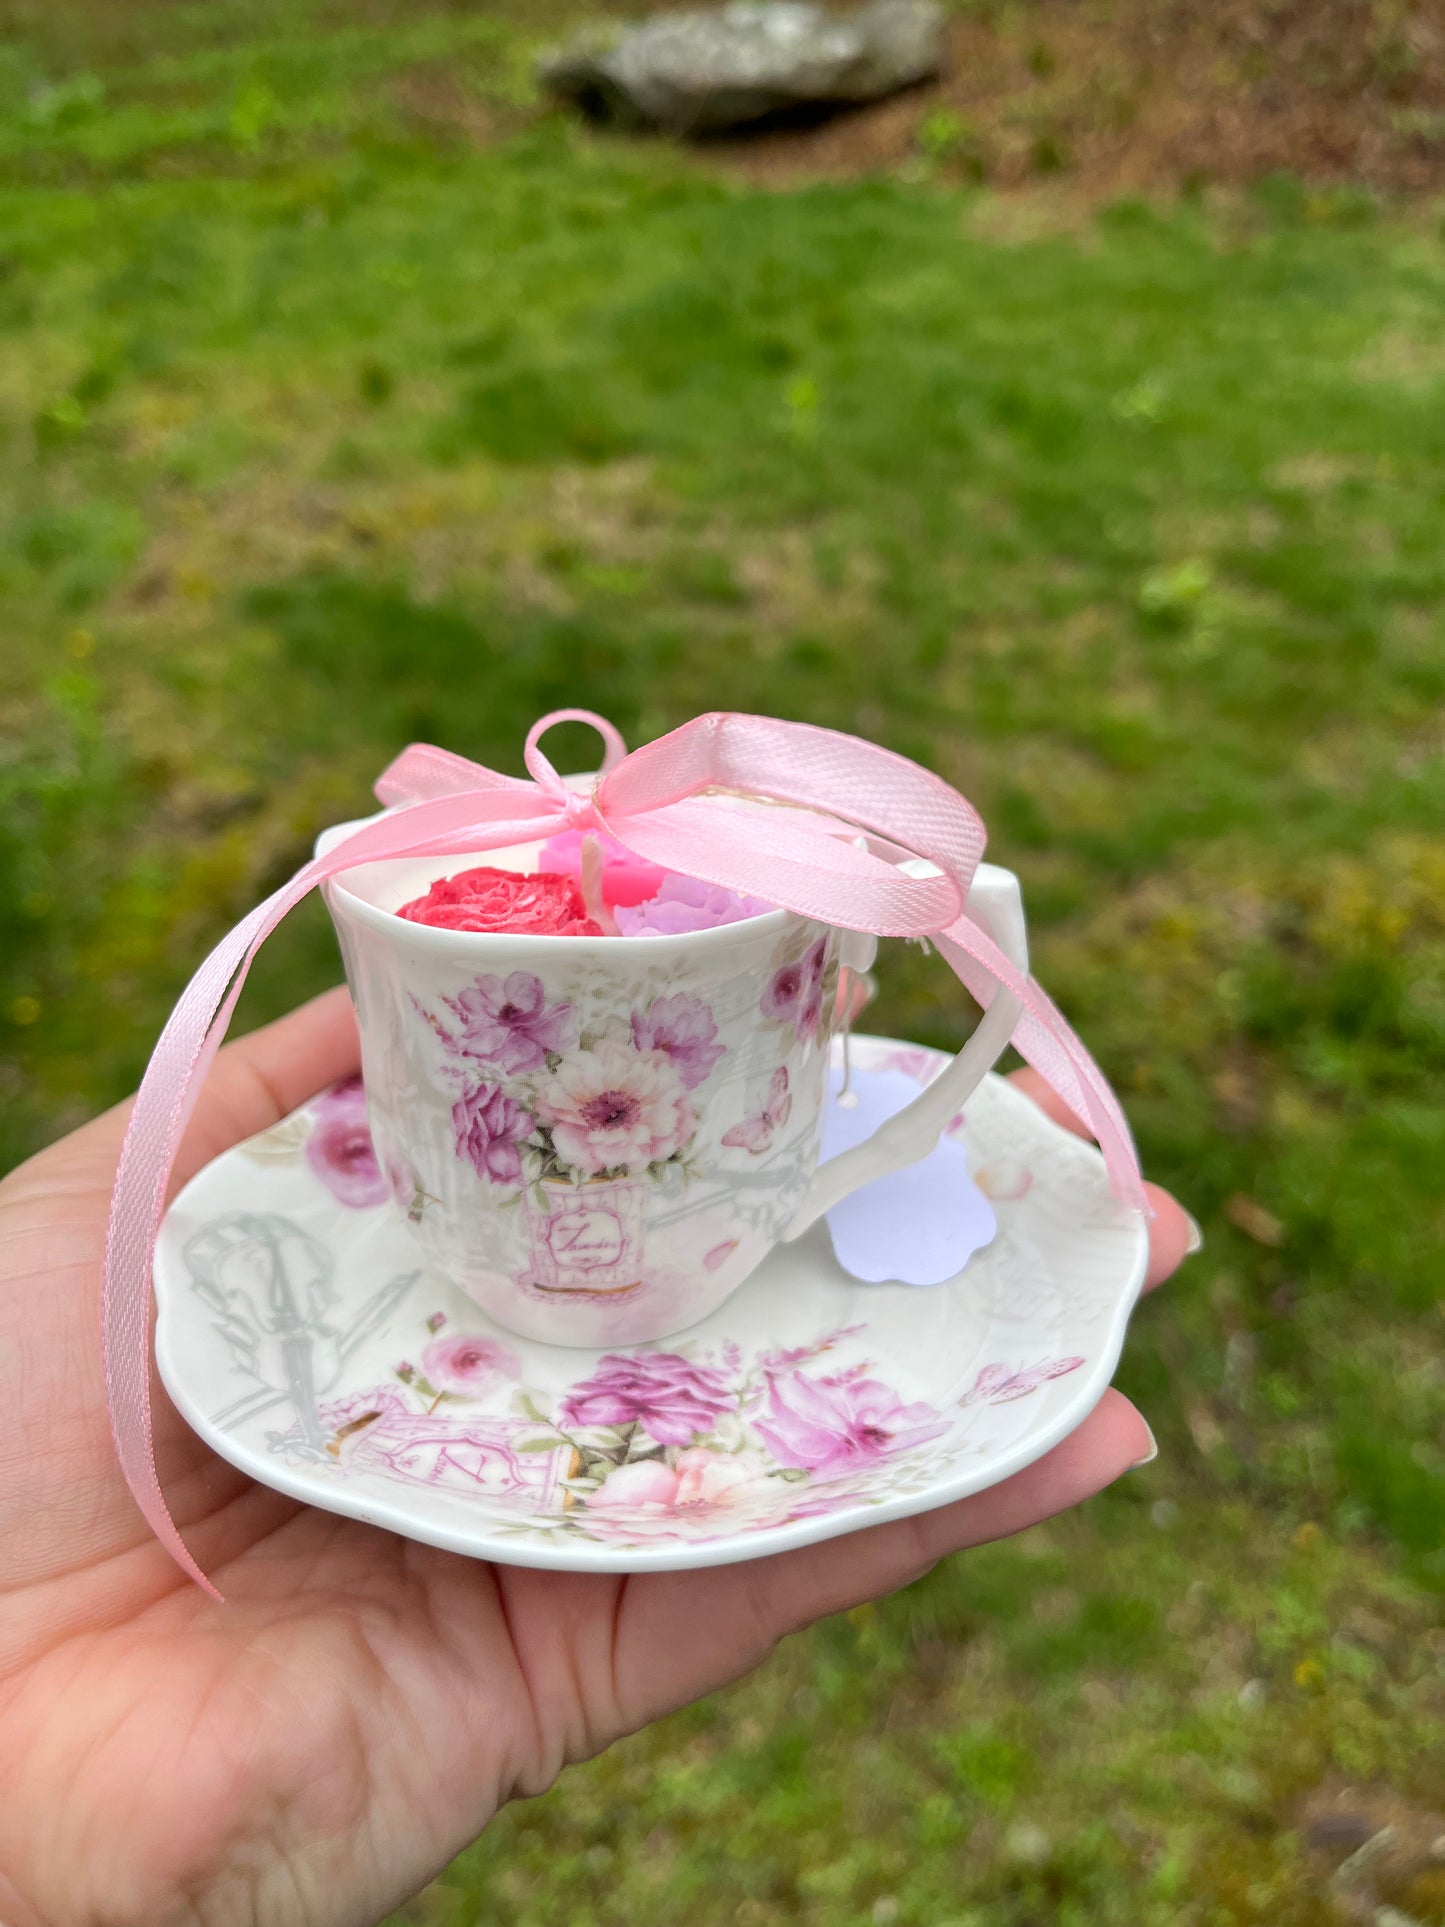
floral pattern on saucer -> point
(650, 1443)
(302, 1335)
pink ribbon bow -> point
(679, 802)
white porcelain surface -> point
(599, 1139)
(303, 1335)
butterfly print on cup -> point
(755, 1134)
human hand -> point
(310, 1753)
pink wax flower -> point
(613, 1108)
(488, 900)
(831, 1428)
(682, 1028)
(508, 1022)
(340, 1151)
(468, 1367)
(683, 904)
(489, 1126)
(626, 878)
(672, 1399)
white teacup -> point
(599, 1138)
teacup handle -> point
(995, 902)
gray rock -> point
(703, 71)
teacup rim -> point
(459, 943)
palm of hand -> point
(308, 1754)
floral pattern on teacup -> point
(802, 985)
(544, 1097)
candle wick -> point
(593, 901)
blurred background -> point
(1075, 424)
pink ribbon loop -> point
(687, 801)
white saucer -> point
(297, 1332)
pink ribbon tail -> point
(686, 801)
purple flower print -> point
(672, 1399)
(830, 1427)
(468, 1367)
(794, 993)
(783, 993)
(810, 1015)
(340, 1151)
(489, 1126)
(682, 1028)
(507, 1021)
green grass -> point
(344, 400)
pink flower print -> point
(646, 1482)
(348, 1095)
(489, 1126)
(507, 1021)
(648, 1503)
(672, 1399)
(682, 1028)
(627, 878)
(340, 1151)
(830, 1429)
(700, 1486)
(468, 1367)
(707, 1480)
(613, 1108)
(684, 904)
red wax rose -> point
(504, 901)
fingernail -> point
(1153, 1452)
(1196, 1235)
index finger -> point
(260, 1078)
(1173, 1233)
